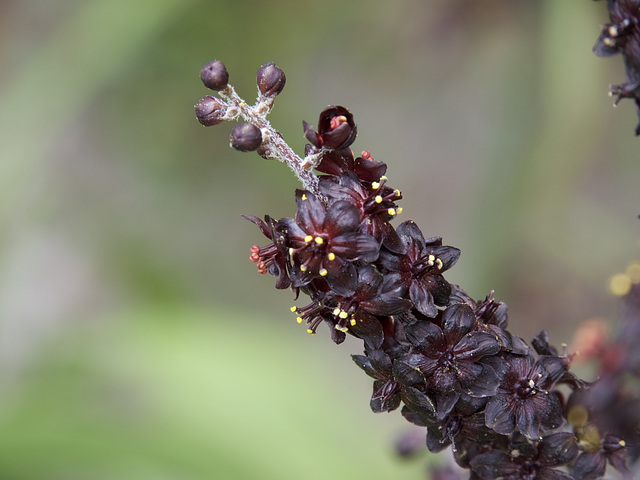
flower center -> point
(526, 388)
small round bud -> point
(270, 79)
(214, 75)
(246, 137)
(210, 110)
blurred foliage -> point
(126, 289)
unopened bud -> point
(246, 137)
(210, 110)
(270, 79)
(214, 75)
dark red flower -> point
(337, 162)
(421, 267)
(375, 202)
(325, 243)
(273, 257)
(336, 129)
(527, 461)
(524, 398)
(622, 35)
(448, 358)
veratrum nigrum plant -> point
(508, 409)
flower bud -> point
(214, 75)
(246, 137)
(210, 110)
(270, 79)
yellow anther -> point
(620, 284)
(291, 252)
(439, 264)
(308, 238)
(613, 31)
(609, 42)
(622, 443)
(399, 210)
(431, 260)
(383, 178)
(398, 192)
(332, 256)
(378, 199)
(343, 314)
(319, 240)
(299, 319)
(323, 272)
(304, 196)
(293, 309)
(375, 185)
(336, 311)
(341, 329)
(353, 322)
(392, 212)
(303, 268)
(311, 332)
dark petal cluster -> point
(525, 399)
(324, 243)
(272, 258)
(491, 317)
(526, 461)
(375, 201)
(449, 358)
(446, 360)
(336, 129)
(421, 268)
(622, 35)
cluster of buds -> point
(622, 36)
(507, 409)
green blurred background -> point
(137, 340)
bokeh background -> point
(137, 340)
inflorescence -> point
(622, 36)
(508, 409)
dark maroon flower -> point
(337, 162)
(392, 385)
(622, 35)
(336, 129)
(375, 295)
(491, 317)
(524, 398)
(271, 258)
(421, 267)
(527, 461)
(325, 243)
(591, 464)
(448, 358)
(375, 202)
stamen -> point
(323, 272)
(375, 185)
(378, 199)
(331, 256)
(308, 238)
(319, 240)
